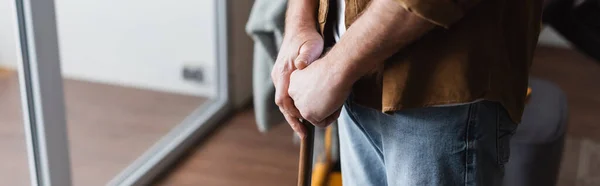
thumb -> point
(309, 52)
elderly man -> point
(427, 92)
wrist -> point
(301, 15)
(299, 25)
(297, 30)
(345, 70)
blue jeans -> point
(465, 145)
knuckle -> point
(311, 118)
(276, 71)
(293, 126)
(278, 101)
(304, 114)
(291, 123)
(322, 123)
(295, 113)
(273, 75)
(289, 62)
(316, 123)
(286, 102)
(314, 119)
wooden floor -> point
(111, 126)
(13, 153)
(108, 126)
(238, 154)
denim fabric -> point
(465, 145)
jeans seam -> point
(467, 146)
(471, 119)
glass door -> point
(113, 92)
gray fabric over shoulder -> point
(265, 27)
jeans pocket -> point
(505, 130)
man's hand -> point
(319, 91)
(299, 48)
(302, 44)
(385, 27)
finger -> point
(308, 52)
(283, 98)
(286, 105)
(301, 61)
(290, 108)
(282, 69)
(279, 99)
(296, 125)
(281, 83)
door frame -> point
(42, 94)
(43, 104)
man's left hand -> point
(319, 91)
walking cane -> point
(306, 155)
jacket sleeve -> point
(440, 12)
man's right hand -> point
(300, 47)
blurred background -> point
(136, 72)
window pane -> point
(133, 70)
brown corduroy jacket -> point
(482, 50)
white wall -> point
(139, 43)
(8, 34)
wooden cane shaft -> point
(306, 155)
